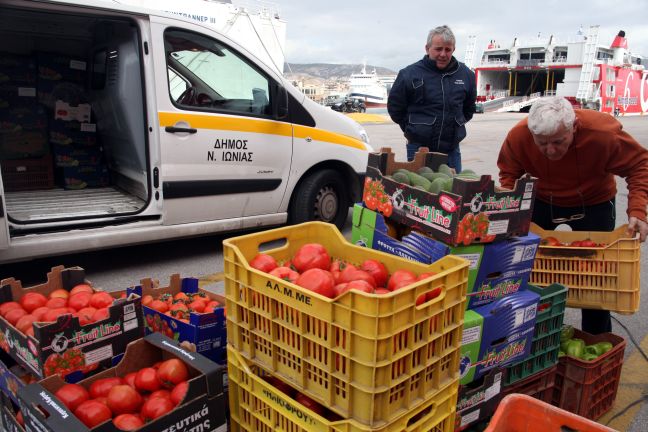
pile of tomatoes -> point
(181, 305)
(375, 198)
(553, 241)
(312, 267)
(81, 301)
(129, 402)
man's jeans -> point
(454, 157)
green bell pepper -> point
(603, 347)
(575, 348)
(566, 333)
(589, 357)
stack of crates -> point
(78, 158)
(367, 362)
(24, 152)
(511, 330)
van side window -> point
(206, 75)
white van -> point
(141, 126)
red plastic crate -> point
(589, 388)
(519, 412)
(28, 174)
(539, 385)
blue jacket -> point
(431, 105)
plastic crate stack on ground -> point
(422, 211)
(357, 361)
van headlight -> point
(365, 138)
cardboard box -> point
(12, 376)
(70, 155)
(8, 411)
(97, 345)
(72, 133)
(202, 409)
(479, 399)
(83, 176)
(445, 216)
(205, 333)
(496, 269)
(497, 334)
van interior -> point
(73, 138)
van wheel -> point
(322, 197)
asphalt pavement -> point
(202, 257)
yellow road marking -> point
(633, 383)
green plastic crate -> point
(546, 337)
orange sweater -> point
(600, 150)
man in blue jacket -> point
(432, 99)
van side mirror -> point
(282, 103)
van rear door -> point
(224, 154)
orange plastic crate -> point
(598, 278)
(257, 406)
(365, 356)
(519, 412)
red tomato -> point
(14, 315)
(425, 275)
(181, 296)
(359, 285)
(172, 372)
(551, 241)
(102, 386)
(101, 300)
(6, 307)
(100, 314)
(85, 315)
(161, 393)
(32, 301)
(25, 322)
(179, 391)
(72, 395)
(311, 255)
(197, 306)
(81, 288)
(400, 279)
(59, 293)
(53, 314)
(147, 379)
(102, 399)
(285, 273)
(156, 407)
(92, 413)
(319, 281)
(19, 419)
(30, 331)
(584, 243)
(129, 379)
(376, 269)
(309, 403)
(159, 306)
(340, 288)
(40, 312)
(212, 305)
(381, 291)
(263, 262)
(124, 399)
(80, 300)
(128, 422)
(56, 303)
(350, 274)
(436, 292)
(146, 300)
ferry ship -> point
(606, 78)
(370, 88)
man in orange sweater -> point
(575, 154)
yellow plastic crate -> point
(257, 406)
(365, 356)
(598, 278)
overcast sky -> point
(392, 33)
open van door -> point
(4, 226)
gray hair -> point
(548, 113)
(443, 31)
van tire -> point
(321, 196)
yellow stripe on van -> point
(241, 124)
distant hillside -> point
(329, 71)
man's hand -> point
(637, 226)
